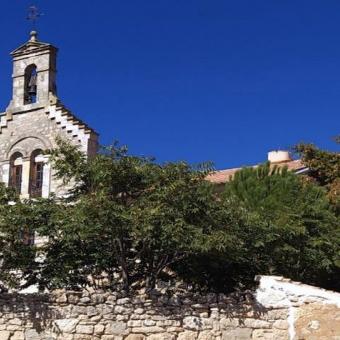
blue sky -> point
(196, 80)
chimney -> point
(279, 156)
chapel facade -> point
(33, 120)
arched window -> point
(36, 173)
(30, 84)
(15, 175)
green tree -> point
(324, 168)
(18, 219)
(127, 219)
(288, 226)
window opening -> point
(36, 174)
(15, 178)
(30, 85)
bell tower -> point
(33, 122)
(34, 75)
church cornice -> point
(33, 46)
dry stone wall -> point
(280, 309)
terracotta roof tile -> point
(223, 176)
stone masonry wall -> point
(279, 309)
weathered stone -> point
(13, 328)
(4, 335)
(276, 314)
(84, 329)
(237, 334)
(187, 335)
(148, 330)
(97, 298)
(99, 329)
(19, 335)
(206, 335)
(192, 322)
(66, 325)
(85, 300)
(135, 337)
(135, 323)
(161, 336)
(123, 301)
(15, 321)
(318, 321)
(122, 310)
(78, 310)
(91, 311)
(84, 337)
(149, 322)
(270, 334)
(255, 323)
(32, 334)
(73, 298)
(227, 322)
(115, 328)
(281, 324)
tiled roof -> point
(223, 176)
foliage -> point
(17, 260)
(288, 228)
(127, 219)
(324, 168)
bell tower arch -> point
(34, 75)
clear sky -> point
(196, 80)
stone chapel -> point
(32, 121)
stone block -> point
(85, 300)
(318, 321)
(270, 334)
(192, 323)
(5, 335)
(149, 322)
(32, 334)
(15, 321)
(99, 329)
(91, 311)
(255, 323)
(84, 337)
(206, 335)
(18, 336)
(123, 301)
(84, 329)
(148, 330)
(187, 335)
(13, 328)
(161, 336)
(135, 337)
(281, 324)
(228, 323)
(276, 314)
(115, 328)
(66, 325)
(135, 323)
(237, 334)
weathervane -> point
(33, 15)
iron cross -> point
(33, 15)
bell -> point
(32, 85)
(32, 90)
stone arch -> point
(26, 144)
